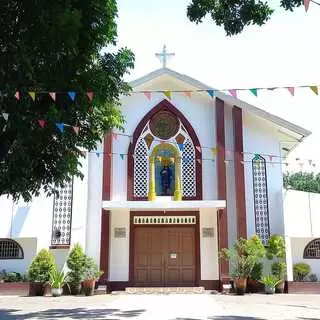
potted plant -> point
(278, 269)
(270, 282)
(90, 276)
(39, 272)
(75, 263)
(300, 271)
(57, 280)
(253, 284)
(243, 256)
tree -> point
(55, 46)
(235, 15)
(302, 181)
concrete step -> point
(164, 290)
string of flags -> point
(53, 94)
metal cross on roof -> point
(164, 56)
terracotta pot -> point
(241, 285)
(36, 289)
(46, 290)
(280, 287)
(75, 289)
(88, 286)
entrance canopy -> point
(164, 205)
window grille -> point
(10, 249)
(312, 250)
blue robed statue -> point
(166, 178)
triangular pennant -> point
(214, 151)
(254, 91)
(270, 157)
(122, 156)
(181, 146)
(32, 94)
(147, 94)
(52, 95)
(114, 135)
(256, 156)
(291, 90)
(306, 4)
(167, 94)
(314, 89)
(76, 129)
(233, 92)
(211, 93)
(310, 162)
(90, 95)
(198, 148)
(187, 94)
(5, 116)
(60, 126)
(98, 154)
(72, 95)
(17, 95)
(42, 123)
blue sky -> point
(284, 52)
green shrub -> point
(41, 265)
(76, 265)
(300, 271)
(276, 247)
(91, 270)
(256, 272)
(278, 269)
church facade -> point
(189, 174)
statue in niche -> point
(166, 179)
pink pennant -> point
(42, 123)
(114, 135)
(233, 92)
(306, 4)
(147, 94)
(76, 129)
(198, 148)
(52, 95)
(17, 95)
(270, 157)
(90, 95)
(291, 90)
(187, 94)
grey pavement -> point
(163, 307)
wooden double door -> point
(164, 256)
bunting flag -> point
(233, 92)
(147, 94)
(98, 154)
(270, 158)
(60, 126)
(72, 95)
(52, 95)
(76, 129)
(5, 116)
(114, 136)
(168, 94)
(122, 156)
(314, 89)
(254, 91)
(181, 146)
(291, 90)
(187, 94)
(256, 156)
(310, 162)
(90, 95)
(211, 93)
(32, 94)
(214, 151)
(17, 95)
(306, 4)
(42, 123)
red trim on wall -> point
(104, 244)
(107, 167)
(164, 105)
(222, 217)
(239, 172)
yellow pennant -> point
(32, 95)
(167, 94)
(214, 151)
(314, 89)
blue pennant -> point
(60, 126)
(72, 95)
(98, 154)
(211, 93)
(181, 146)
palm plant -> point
(57, 280)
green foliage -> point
(56, 46)
(243, 256)
(278, 269)
(256, 271)
(12, 276)
(302, 181)
(313, 277)
(276, 247)
(235, 15)
(91, 270)
(57, 278)
(300, 271)
(76, 264)
(270, 280)
(41, 265)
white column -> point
(289, 259)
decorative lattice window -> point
(62, 215)
(260, 191)
(140, 159)
(312, 250)
(10, 249)
(164, 220)
(188, 170)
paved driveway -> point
(163, 307)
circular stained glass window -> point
(164, 125)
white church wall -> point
(261, 138)
(119, 247)
(301, 212)
(209, 246)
